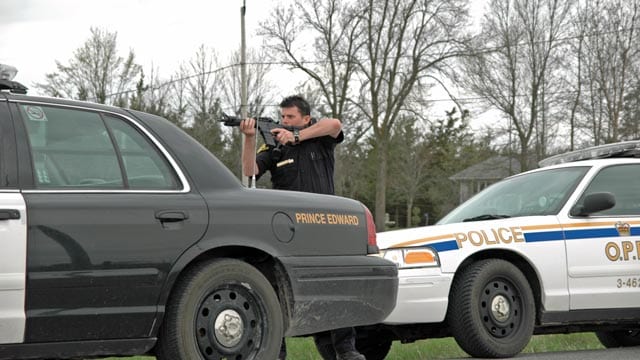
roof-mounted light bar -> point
(7, 72)
(621, 149)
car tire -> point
(619, 338)
(221, 308)
(374, 346)
(491, 309)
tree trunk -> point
(381, 186)
(524, 156)
(409, 211)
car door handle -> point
(171, 215)
(9, 214)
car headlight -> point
(408, 258)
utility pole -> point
(243, 80)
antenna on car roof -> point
(7, 73)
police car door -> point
(13, 238)
(108, 212)
(602, 248)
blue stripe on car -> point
(555, 235)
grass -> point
(304, 349)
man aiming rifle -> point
(302, 159)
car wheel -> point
(374, 346)
(491, 309)
(221, 309)
(619, 338)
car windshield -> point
(537, 193)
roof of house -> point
(494, 168)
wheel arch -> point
(267, 264)
(522, 263)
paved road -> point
(632, 353)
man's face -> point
(291, 116)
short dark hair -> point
(297, 101)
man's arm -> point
(249, 165)
(324, 127)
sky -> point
(34, 34)
(162, 33)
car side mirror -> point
(593, 203)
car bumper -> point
(423, 295)
(338, 291)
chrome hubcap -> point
(230, 324)
(500, 308)
(229, 328)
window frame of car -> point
(8, 152)
(25, 151)
(586, 189)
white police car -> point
(556, 249)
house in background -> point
(477, 177)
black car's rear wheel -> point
(491, 309)
(222, 309)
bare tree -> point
(631, 121)
(155, 96)
(611, 49)
(95, 73)
(259, 93)
(328, 30)
(202, 94)
(517, 69)
(178, 90)
(575, 70)
(259, 88)
(411, 162)
(405, 43)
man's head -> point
(295, 111)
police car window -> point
(70, 149)
(145, 168)
(623, 181)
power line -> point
(324, 62)
(172, 81)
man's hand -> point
(283, 136)
(248, 127)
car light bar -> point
(7, 72)
(621, 149)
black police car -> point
(122, 235)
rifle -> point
(264, 125)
